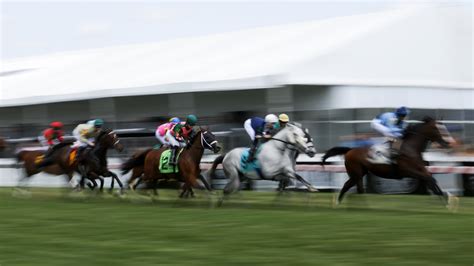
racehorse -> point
(409, 162)
(136, 165)
(188, 162)
(96, 167)
(276, 158)
(3, 144)
(63, 163)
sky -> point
(43, 27)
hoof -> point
(335, 201)
(453, 203)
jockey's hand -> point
(267, 136)
(392, 139)
(91, 144)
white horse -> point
(276, 160)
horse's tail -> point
(136, 160)
(333, 152)
(217, 161)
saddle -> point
(164, 165)
(246, 166)
(380, 154)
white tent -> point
(422, 47)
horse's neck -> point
(415, 143)
(101, 152)
(195, 151)
(278, 143)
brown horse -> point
(95, 165)
(64, 163)
(136, 165)
(3, 144)
(188, 162)
(409, 162)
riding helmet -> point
(271, 118)
(284, 118)
(98, 122)
(56, 124)
(402, 111)
(191, 120)
(175, 120)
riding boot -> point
(173, 155)
(252, 151)
(47, 160)
(393, 159)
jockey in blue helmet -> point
(391, 125)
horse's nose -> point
(312, 152)
(217, 148)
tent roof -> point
(429, 47)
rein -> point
(286, 142)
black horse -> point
(94, 164)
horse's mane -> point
(102, 133)
(195, 133)
(413, 128)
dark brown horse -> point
(64, 163)
(188, 162)
(95, 166)
(3, 144)
(409, 162)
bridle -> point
(204, 141)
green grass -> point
(51, 227)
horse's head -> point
(3, 144)
(109, 139)
(301, 138)
(436, 132)
(208, 140)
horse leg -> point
(118, 181)
(115, 177)
(306, 183)
(232, 186)
(360, 186)
(205, 182)
(432, 185)
(349, 183)
(112, 183)
(184, 192)
(96, 176)
(356, 174)
(283, 184)
(134, 187)
(155, 187)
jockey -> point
(51, 137)
(54, 134)
(85, 134)
(258, 128)
(391, 125)
(283, 119)
(272, 126)
(162, 129)
(179, 135)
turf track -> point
(51, 227)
